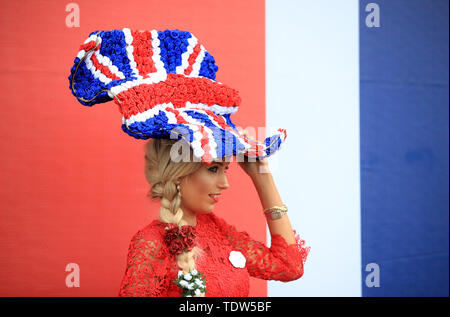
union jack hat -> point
(164, 85)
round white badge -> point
(237, 259)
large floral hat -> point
(164, 85)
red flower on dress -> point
(179, 239)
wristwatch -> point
(276, 212)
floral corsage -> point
(192, 283)
(180, 239)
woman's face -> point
(197, 188)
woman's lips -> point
(215, 199)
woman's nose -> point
(223, 183)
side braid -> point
(161, 173)
(170, 205)
(172, 213)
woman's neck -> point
(190, 217)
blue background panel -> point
(404, 147)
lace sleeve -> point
(281, 262)
(146, 268)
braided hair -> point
(164, 174)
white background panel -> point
(312, 87)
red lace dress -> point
(151, 269)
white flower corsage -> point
(192, 283)
(237, 259)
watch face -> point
(276, 215)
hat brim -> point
(210, 136)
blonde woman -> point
(163, 83)
(226, 256)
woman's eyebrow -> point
(220, 163)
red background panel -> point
(73, 185)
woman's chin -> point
(208, 210)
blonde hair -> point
(162, 173)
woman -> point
(185, 190)
(163, 83)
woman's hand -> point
(254, 168)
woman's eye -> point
(213, 169)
